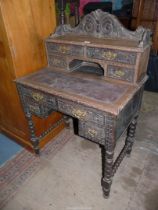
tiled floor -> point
(71, 180)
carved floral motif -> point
(104, 25)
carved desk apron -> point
(98, 81)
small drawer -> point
(111, 55)
(65, 49)
(57, 61)
(41, 110)
(81, 112)
(120, 73)
(39, 97)
(91, 131)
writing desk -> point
(99, 82)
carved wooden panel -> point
(121, 73)
(128, 112)
(57, 61)
(104, 25)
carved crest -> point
(104, 25)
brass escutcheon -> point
(109, 55)
(63, 49)
(119, 73)
(92, 132)
(37, 96)
(79, 113)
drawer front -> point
(65, 49)
(92, 132)
(40, 97)
(81, 112)
(57, 61)
(111, 55)
(120, 73)
(39, 103)
(42, 110)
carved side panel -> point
(121, 73)
(128, 112)
(64, 49)
(57, 61)
(111, 55)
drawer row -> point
(113, 71)
(41, 105)
(92, 122)
(92, 52)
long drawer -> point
(81, 112)
(111, 55)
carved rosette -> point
(89, 24)
(107, 25)
(104, 25)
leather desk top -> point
(92, 91)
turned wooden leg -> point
(107, 158)
(131, 134)
(107, 173)
(34, 139)
(28, 115)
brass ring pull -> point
(92, 132)
(79, 113)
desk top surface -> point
(93, 91)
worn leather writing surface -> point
(99, 90)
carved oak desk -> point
(98, 81)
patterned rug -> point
(24, 165)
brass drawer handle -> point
(79, 113)
(64, 49)
(119, 73)
(92, 132)
(109, 55)
(37, 96)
